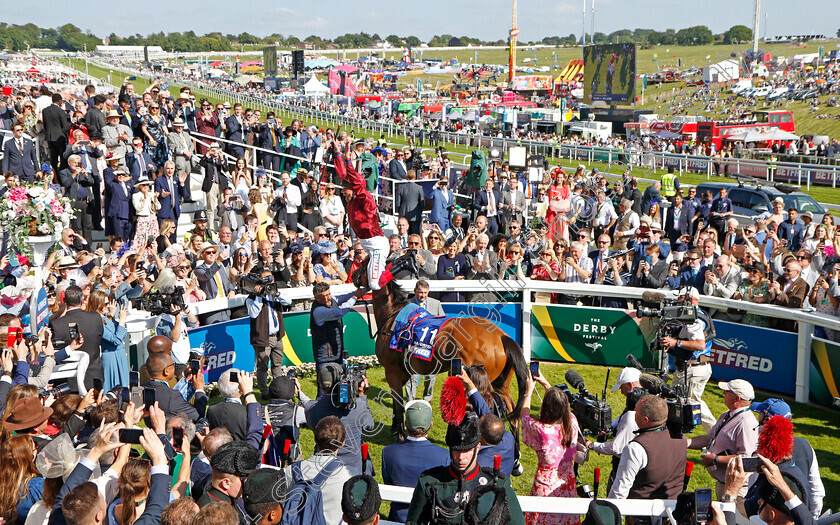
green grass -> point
(818, 425)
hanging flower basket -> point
(32, 211)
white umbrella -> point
(749, 136)
(780, 134)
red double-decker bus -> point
(711, 132)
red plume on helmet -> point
(776, 439)
(453, 401)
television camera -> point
(263, 279)
(166, 300)
(683, 415)
(347, 388)
(593, 415)
(672, 315)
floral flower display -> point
(31, 210)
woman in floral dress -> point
(553, 436)
(153, 126)
(754, 289)
(146, 206)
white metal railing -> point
(806, 320)
(546, 505)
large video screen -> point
(609, 73)
(270, 61)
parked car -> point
(749, 202)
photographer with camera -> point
(176, 322)
(624, 426)
(264, 304)
(652, 466)
(692, 348)
(355, 414)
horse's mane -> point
(399, 297)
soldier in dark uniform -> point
(463, 492)
(231, 463)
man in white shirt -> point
(605, 215)
(289, 198)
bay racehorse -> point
(475, 340)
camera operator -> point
(652, 466)
(174, 325)
(692, 348)
(734, 434)
(624, 426)
(356, 419)
(267, 329)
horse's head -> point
(359, 277)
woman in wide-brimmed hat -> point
(146, 206)
(754, 289)
(327, 270)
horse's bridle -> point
(379, 329)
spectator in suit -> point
(789, 290)
(90, 330)
(161, 369)
(170, 189)
(790, 231)
(95, 117)
(693, 274)
(116, 136)
(512, 204)
(723, 282)
(721, 209)
(56, 125)
(19, 156)
(119, 205)
(409, 202)
(677, 221)
(213, 280)
(182, 149)
(236, 129)
(231, 413)
(397, 168)
(433, 306)
(443, 203)
(270, 138)
(287, 201)
(651, 270)
(427, 265)
(78, 187)
(200, 472)
(495, 440)
(139, 162)
(487, 203)
(215, 179)
(403, 462)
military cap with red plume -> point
(453, 401)
(776, 439)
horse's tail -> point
(515, 361)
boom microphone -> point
(574, 379)
(652, 297)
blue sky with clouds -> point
(485, 19)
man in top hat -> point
(116, 136)
(360, 501)
(264, 493)
(182, 148)
(120, 209)
(449, 489)
(231, 464)
(213, 280)
(404, 461)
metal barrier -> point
(806, 320)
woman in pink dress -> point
(558, 204)
(553, 436)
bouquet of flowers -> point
(29, 210)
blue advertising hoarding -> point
(763, 356)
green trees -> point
(738, 33)
(695, 36)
